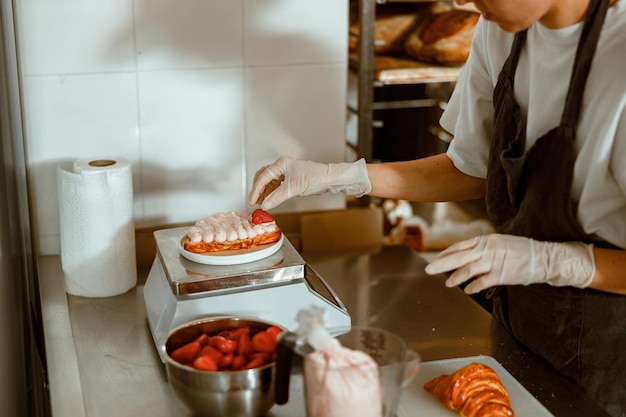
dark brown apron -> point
(581, 332)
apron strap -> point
(510, 65)
(594, 20)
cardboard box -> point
(353, 228)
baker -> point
(539, 123)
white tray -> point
(416, 401)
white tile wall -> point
(286, 113)
(295, 32)
(76, 37)
(197, 94)
(189, 34)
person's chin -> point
(505, 26)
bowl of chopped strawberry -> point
(223, 366)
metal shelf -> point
(395, 70)
(374, 71)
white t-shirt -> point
(541, 83)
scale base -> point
(278, 304)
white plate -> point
(415, 398)
(233, 257)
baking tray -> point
(416, 401)
(401, 69)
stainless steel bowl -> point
(247, 393)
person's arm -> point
(428, 179)
(610, 267)
(423, 180)
(499, 259)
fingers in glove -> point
(455, 256)
(276, 197)
(477, 285)
(262, 179)
(484, 273)
(266, 180)
(266, 203)
(471, 270)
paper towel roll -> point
(97, 227)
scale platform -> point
(274, 288)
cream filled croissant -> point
(231, 231)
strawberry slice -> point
(261, 216)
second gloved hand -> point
(498, 259)
(289, 177)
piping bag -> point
(338, 381)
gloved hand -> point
(289, 177)
(498, 259)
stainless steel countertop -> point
(102, 360)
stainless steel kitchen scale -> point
(273, 288)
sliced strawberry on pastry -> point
(260, 216)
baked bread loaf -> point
(474, 390)
(443, 38)
(394, 22)
(231, 231)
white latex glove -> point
(498, 259)
(289, 177)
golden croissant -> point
(474, 391)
